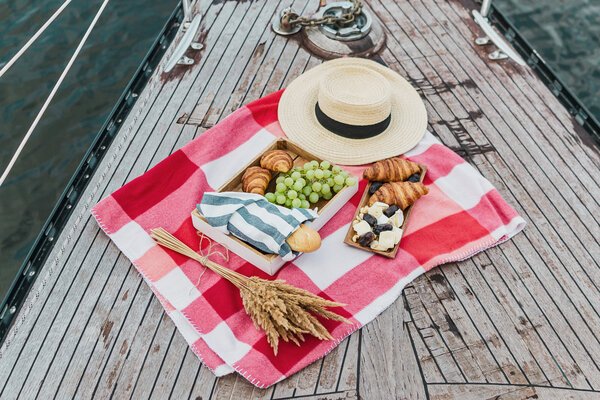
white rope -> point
(52, 93)
(33, 38)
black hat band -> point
(351, 131)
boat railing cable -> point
(52, 93)
(26, 46)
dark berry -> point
(391, 210)
(415, 178)
(375, 186)
(371, 220)
(377, 229)
(366, 239)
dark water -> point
(567, 35)
(113, 51)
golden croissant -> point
(256, 180)
(402, 194)
(391, 170)
(277, 160)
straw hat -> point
(352, 111)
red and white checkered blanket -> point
(462, 214)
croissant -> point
(256, 180)
(402, 194)
(304, 239)
(391, 170)
(277, 160)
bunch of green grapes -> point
(300, 187)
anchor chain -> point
(290, 22)
(343, 19)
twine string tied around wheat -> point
(208, 253)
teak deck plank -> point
(520, 320)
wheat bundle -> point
(282, 311)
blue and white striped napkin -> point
(254, 220)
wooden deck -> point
(521, 320)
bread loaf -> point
(304, 239)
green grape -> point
(296, 175)
(307, 166)
(330, 182)
(303, 181)
(325, 189)
(298, 185)
(318, 173)
(270, 196)
(288, 181)
(301, 196)
(280, 199)
(325, 164)
(326, 173)
(288, 203)
(305, 204)
(314, 197)
(339, 180)
(350, 181)
(280, 188)
(292, 194)
(327, 196)
(280, 179)
(307, 190)
(310, 174)
(316, 186)
(337, 188)
(315, 164)
(336, 169)
(296, 203)
(344, 174)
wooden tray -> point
(363, 201)
(270, 263)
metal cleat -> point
(483, 41)
(185, 61)
(497, 55)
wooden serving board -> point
(363, 202)
(326, 209)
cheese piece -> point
(397, 234)
(376, 211)
(362, 227)
(379, 204)
(386, 240)
(397, 219)
(382, 219)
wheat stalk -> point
(281, 310)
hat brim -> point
(296, 114)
